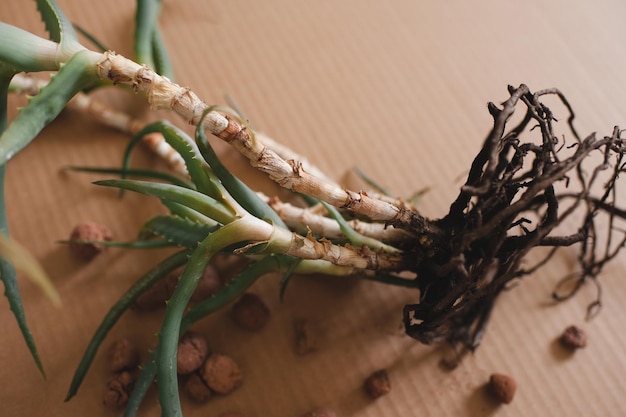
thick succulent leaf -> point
(149, 47)
(177, 230)
(25, 51)
(145, 282)
(23, 261)
(199, 171)
(45, 106)
(7, 272)
(144, 173)
(248, 199)
(356, 238)
(185, 212)
(57, 24)
(193, 199)
(162, 62)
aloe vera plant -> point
(512, 201)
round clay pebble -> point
(89, 231)
(574, 338)
(210, 282)
(157, 295)
(192, 352)
(118, 389)
(196, 389)
(377, 384)
(321, 412)
(250, 312)
(122, 354)
(502, 387)
(221, 373)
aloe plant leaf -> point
(190, 214)
(57, 24)
(7, 272)
(137, 244)
(141, 285)
(162, 62)
(193, 199)
(199, 171)
(149, 48)
(248, 199)
(75, 75)
(178, 230)
(25, 51)
(91, 38)
(145, 173)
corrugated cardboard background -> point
(398, 88)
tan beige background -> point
(398, 88)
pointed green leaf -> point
(178, 230)
(45, 106)
(57, 24)
(193, 199)
(199, 171)
(145, 173)
(7, 272)
(145, 282)
(248, 199)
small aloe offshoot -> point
(517, 193)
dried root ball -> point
(122, 355)
(377, 384)
(89, 231)
(118, 389)
(321, 412)
(250, 312)
(573, 338)
(502, 387)
(196, 389)
(192, 352)
(221, 373)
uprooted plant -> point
(526, 188)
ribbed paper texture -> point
(397, 88)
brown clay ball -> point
(377, 384)
(89, 231)
(122, 355)
(502, 387)
(192, 352)
(210, 282)
(118, 389)
(250, 312)
(156, 296)
(321, 412)
(573, 338)
(221, 373)
(196, 389)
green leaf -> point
(45, 106)
(25, 51)
(199, 171)
(7, 272)
(91, 38)
(355, 237)
(178, 230)
(57, 24)
(145, 173)
(149, 47)
(193, 199)
(162, 62)
(145, 282)
(248, 199)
